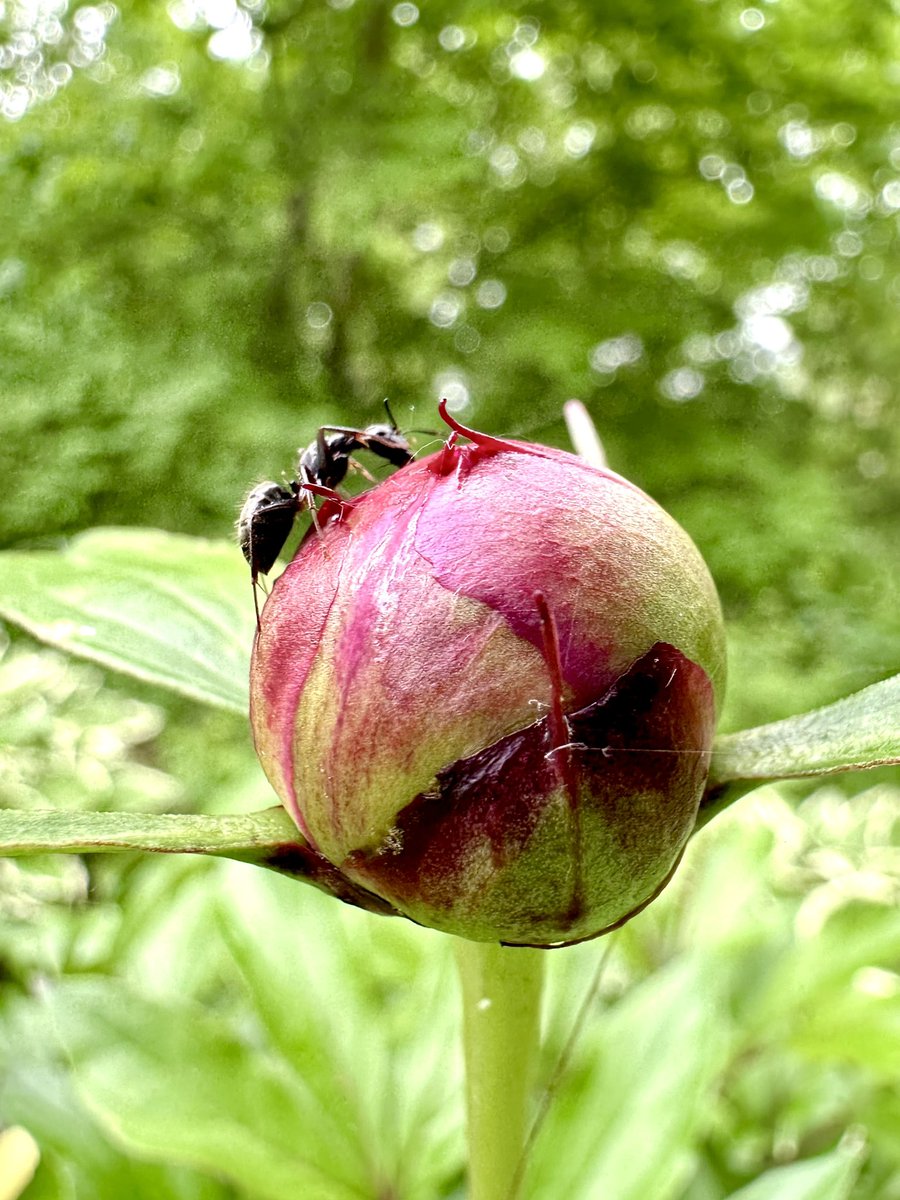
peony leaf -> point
(828, 1177)
(171, 610)
(247, 837)
(268, 838)
(853, 734)
(177, 1084)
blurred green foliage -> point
(226, 223)
(179, 1029)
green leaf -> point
(171, 610)
(76, 1160)
(824, 981)
(854, 734)
(37, 1091)
(857, 1029)
(648, 1091)
(174, 1084)
(829, 1177)
(268, 838)
(249, 837)
(369, 1008)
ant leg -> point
(355, 466)
(254, 575)
(329, 495)
(256, 587)
(253, 584)
(347, 429)
(306, 485)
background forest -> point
(224, 224)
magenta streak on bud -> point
(561, 736)
(557, 719)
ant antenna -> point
(390, 415)
(394, 425)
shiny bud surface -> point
(486, 692)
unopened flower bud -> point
(486, 692)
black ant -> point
(268, 514)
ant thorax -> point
(270, 509)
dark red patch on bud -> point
(302, 862)
(627, 755)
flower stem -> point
(501, 994)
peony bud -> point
(486, 692)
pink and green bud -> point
(486, 692)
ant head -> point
(388, 433)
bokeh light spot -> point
(405, 14)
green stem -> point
(501, 995)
